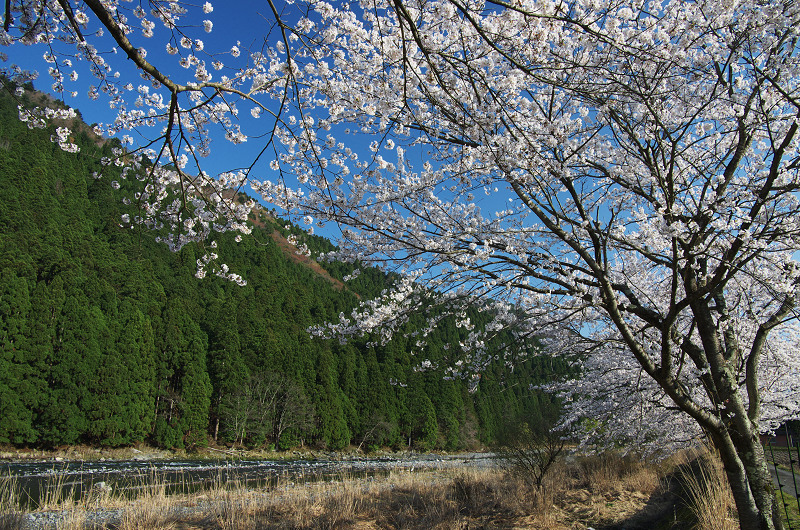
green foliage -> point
(424, 427)
(15, 307)
(108, 338)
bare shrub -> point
(268, 407)
(530, 444)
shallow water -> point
(37, 482)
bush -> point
(530, 448)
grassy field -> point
(791, 510)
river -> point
(37, 481)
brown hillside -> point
(262, 219)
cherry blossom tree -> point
(618, 179)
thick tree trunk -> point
(735, 434)
(750, 482)
(760, 479)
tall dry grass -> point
(613, 473)
(10, 516)
(231, 505)
(708, 494)
(589, 491)
(59, 496)
(429, 499)
(475, 498)
(151, 507)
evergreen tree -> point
(15, 406)
(184, 386)
(108, 338)
(424, 425)
(73, 369)
(227, 369)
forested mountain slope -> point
(108, 338)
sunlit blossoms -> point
(38, 118)
(62, 138)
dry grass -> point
(599, 491)
(150, 510)
(73, 520)
(10, 517)
(589, 493)
(607, 490)
(708, 495)
(59, 496)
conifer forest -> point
(108, 338)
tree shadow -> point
(665, 510)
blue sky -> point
(243, 23)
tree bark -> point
(755, 464)
(736, 436)
(750, 481)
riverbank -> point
(592, 492)
(42, 486)
(85, 453)
(357, 492)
